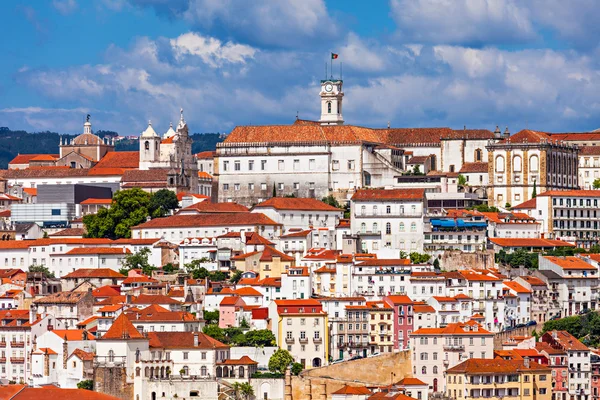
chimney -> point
(65, 352)
(32, 313)
(195, 339)
(526, 362)
(128, 299)
(506, 133)
(46, 363)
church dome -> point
(87, 138)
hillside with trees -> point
(17, 142)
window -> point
(237, 166)
(328, 107)
(251, 186)
(335, 165)
(186, 355)
(401, 226)
(146, 146)
(499, 164)
(281, 165)
(226, 186)
(263, 186)
(311, 164)
(413, 227)
(263, 165)
(280, 186)
(478, 155)
(236, 186)
(203, 370)
(388, 228)
(225, 165)
(351, 165)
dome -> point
(87, 138)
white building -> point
(388, 221)
(300, 213)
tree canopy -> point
(418, 258)
(42, 269)
(235, 336)
(280, 360)
(162, 202)
(137, 260)
(584, 327)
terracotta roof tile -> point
(83, 355)
(530, 204)
(389, 194)
(69, 232)
(183, 340)
(62, 298)
(119, 159)
(353, 391)
(213, 219)
(571, 193)
(208, 207)
(25, 158)
(525, 242)
(50, 392)
(280, 203)
(496, 366)
(145, 176)
(474, 167)
(73, 334)
(206, 155)
(154, 299)
(94, 273)
(98, 250)
(96, 201)
(570, 263)
(122, 328)
(245, 360)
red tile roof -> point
(245, 360)
(565, 340)
(247, 291)
(206, 155)
(73, 334)
(590, 150)
(69, 232)
(296, 234)
(384, 262)
(411, 382)
(353, 391)
(96, 201)
(142, 177)
(571, 193)
(183, 340)
(154, 299)
(280, 203)
(62, 298)
(25, 158)
(94, 273)
(455, 328)
(30, 191)
(525, 242)
(119, 159)
(98, 250)
(532, 280)
(208, 207)
(83, 355)
(570, 263)
(213, 219)
(389, 194)
(474, 167)
(398, 299)
(303, 133)
(122, 328)
(516, 287)
(21, 392)
(496, 366)
(527, 205)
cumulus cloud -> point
(361, 55)
(463, 21)
(291, 23)
(211, 50)
(65, 7)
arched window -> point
(388, 228)
(375, 211)
(363, 210)
(413, 227)
(147, 145)
(401, 226)
(375, 227)
(363, 227)
(534, 163)
(499, 164)
(111, 356)
(138, 370)
(203, 371)
(137, 355)
(517, 163)
(240, 372)
(435, 369)
(328, 107)
(147, 372)
(424, 370)
(388, 209)
(186, 370)
(478, 155)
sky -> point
(411, 63)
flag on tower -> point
(334, 56)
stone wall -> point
(453, 260)
(502, 336)
(112, 381)
(319, 383)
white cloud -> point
(462, 21)
(361, 56)
(211, 50)
(65, 7)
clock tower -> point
(331, 102)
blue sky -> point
(479, 63)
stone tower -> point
(149, 147)
(331, 102)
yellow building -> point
(268, 263)
(381, 328)
(498, 378)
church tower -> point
(149, 147)
(331, 102)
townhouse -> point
(348, 326)
(436, 350)
(403, 320)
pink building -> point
(229, 311)
(557, 360)
(403, 319)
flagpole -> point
(331, 64)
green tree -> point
(403, 255)
(215, 332)
(162, 202)
(88, 384)
(418, 258)
(332, 201)
(196, 270)
(484, 208)
(260, 338)
(137, 260)
(244, 324)
(211, 317)
(42, 269)
(534, 192)
(129, 208)
(217, 276)
(507, 206)
(436, 264)
(237, 275)
(296, 368)
(274, 190)
(169, 268)
(417, 170)
(596, 183)
(280, 360)
(462, 180)
(243, 390)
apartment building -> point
(403, 320)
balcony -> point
(369, 233)
(289, 340)
(2, 360)
(454, 347)
(318, 340)
(2, 344)
(303, 340)
(17, 360)
(401, 214)
(17, 344)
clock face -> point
(329, 87)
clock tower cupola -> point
(331, 102)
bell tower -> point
(149, 148)
(331, 102)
